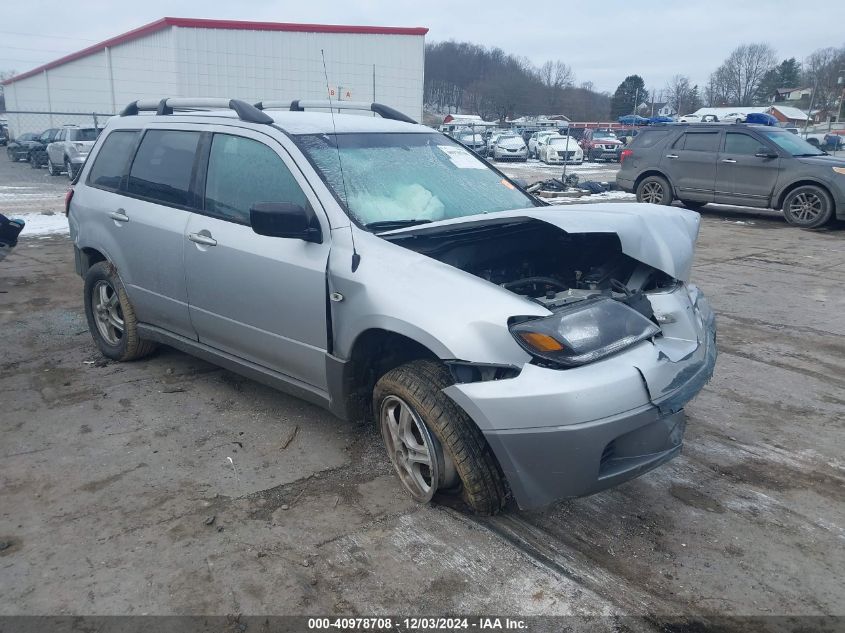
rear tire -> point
(111, 317)
(808, 207)
(465, 463)
(654, 190)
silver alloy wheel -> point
(806, 207)
(108, 315)
(50, 169)
(652, 192)
(69, 170)
(415, 453)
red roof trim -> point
(237, 25)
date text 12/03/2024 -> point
(417, 624)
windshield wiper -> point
(386, 225)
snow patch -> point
(42, 225)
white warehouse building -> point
(253, 61)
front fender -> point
(450, 312)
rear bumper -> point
(625, 184)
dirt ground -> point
(169, 486)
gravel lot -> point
(118, 496)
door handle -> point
(119, 216)
(671, 155)
(728, 160)
(205, 240)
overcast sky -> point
(602, 41)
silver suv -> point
(69, 149)
(379, 269)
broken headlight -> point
(583, 332)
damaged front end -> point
(623, 343)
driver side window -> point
(242, 172)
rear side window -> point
(82, 134)
(241, 172)
(112, 160)
(649, 138)
(741, 144)
(698, 141)
(161, 171)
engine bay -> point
(544, 263)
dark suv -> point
(748, 165)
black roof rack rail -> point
(299, 105)
(245, 111)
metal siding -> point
(283, 65)
(245, 64)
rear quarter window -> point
(161, 171)
(113, 160)
(649, 138)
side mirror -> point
(765, 152)
(283, 219)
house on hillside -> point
(658, 108)
(790, 94)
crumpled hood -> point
(660, 236)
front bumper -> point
(571, 433)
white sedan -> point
(733, 117)
(535, 140)
(510, 147)
(558, 149)
(689, 118)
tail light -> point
(68, 198)
(625, 154)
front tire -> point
(69, 170)
(432, 444)
(51, 168)
(111, 317)
(808, 207)
(654, 190)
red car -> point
(601, 145)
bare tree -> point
(822, 70)
(737, 79)
(678, 93)
(555, 76)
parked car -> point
(733, 117)
(632, 119)
(498, 343)
(491, 140)
(534, 140)
(38, 154)
(689, 118)
(510, 147)
(601, 145)
(749, 165)
(475, 142)
(558, 149)
(4, 134)
(761, 118)
(69, 149)
(660, 119)
(22, 146)
(709, 118)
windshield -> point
(559, 141)
(509, 137)
(395, 177)
(791, 143)
(603, 134)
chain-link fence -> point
(29, 132)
